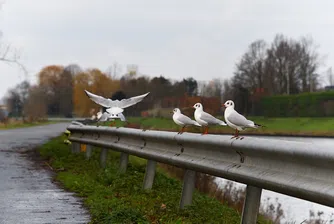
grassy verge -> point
(273, 126)
(112, 197)
(19, 124)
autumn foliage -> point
(96, 82)
(60, 92)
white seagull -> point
(182, 120)
(205, 119)
(236, 120)
(100, 117)
(103, 117)
(115, 107)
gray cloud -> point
(173, 38)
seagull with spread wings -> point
(114, 107)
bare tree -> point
(36, 105)
(16, 98)
(10, 54)
(288, 66)
(227, 90)
(250, 70)
(114, 70)
(309, 62)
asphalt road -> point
(27, 193)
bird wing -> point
(99, 99)
(130, 101)
(122, 117)
(104, 117)
(124, 103)
(185, 119)
(237, 119)
(209, 118)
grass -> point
(20, 124)
(323, 126)
(113, 197)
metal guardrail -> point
(298, 169)
(65, 118)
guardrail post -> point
(149, 174)
(251, 205)
(188, 188)
(75, 147)
(103, 157)
(123, 162)
(88, 151)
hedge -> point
(317, 104)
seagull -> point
(103, 117)
(205, 119)
(182, 120)
(115, 107)
(236, 120)
(100, 117)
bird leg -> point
(182, 129)
(206, 130)
(236, 135)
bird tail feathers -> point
(259, 126)
(197, 124)
(222, 123)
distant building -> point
(329, 88)
(3, 105)
(3, 111)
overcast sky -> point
(176, 38)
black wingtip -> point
(259, 125)
(86, 92)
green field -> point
(112, 197)
(323, 126)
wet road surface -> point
(27, 193)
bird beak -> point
(223, 105)
(171, 112)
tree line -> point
(286, 66)
(60, 91)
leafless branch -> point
(12, 58)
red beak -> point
(223, 105)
